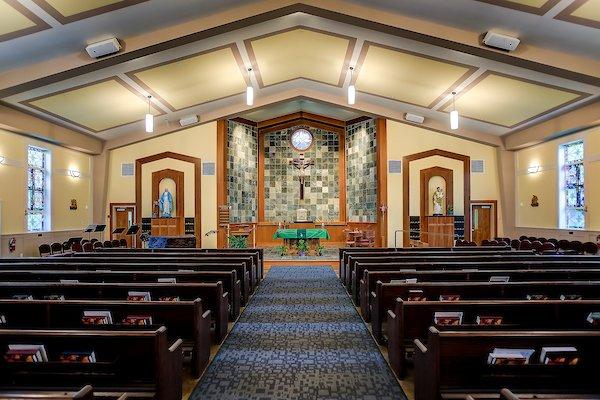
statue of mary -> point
(166, 204)
(438, 201)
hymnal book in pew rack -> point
(416, 295)
(137, 320)
(449, 297)
(559, 356)
(447, 318)
(96, 317)
(489, 320)
(2, 319)
(56, 297)
(138, 296)
(537, 297)
(510, 356)
(167, 280)
(26, 353)
(571, 297)
(85, 357)
(22, 297)
(499, 279)
(594, 318)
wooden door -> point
(123, 218)
(482, 222)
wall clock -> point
(301, 139)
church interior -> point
(333, 199)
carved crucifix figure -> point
(302, 164)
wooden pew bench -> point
(185, 320)
(213, 297)
(411, 320)
(141, 362)
(453, 364)
(86, 393)
(229, 279)
(370, 279)
(385, 295)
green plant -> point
(450, 209)
(282, 250)
(302, 246)
(320, 249)
(237, 242)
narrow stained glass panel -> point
(37, 173)
(35, 222)
(575, 219)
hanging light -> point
(149, 118)
(249, 90)
(351, 89)
(453, 114)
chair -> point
(459, 243)
(485, 242)
(576, 246)
(554, 242)
(98, 245)
(56, 248)
(84, 241)
(94, 240)
(367, 239)
(590, 248)
(532, 238)
(115, 243)
(88, 247)
(123, 243)
(472, 244)
(537, 246)
(564, 245)
(515, 244)
(77, 248)
(108, 244)
(350, 238)
(66, 247)
(523, 237)
(543, 239)
(525, 245)
(507, 241)
(548, 248)
(45, 250)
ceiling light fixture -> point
(2, 158)
(453, 114)
(149, 118)
(74, 173)
(533, 169)
(249, 90)
(351, 89)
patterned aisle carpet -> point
(299, 338)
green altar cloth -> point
(299, 234)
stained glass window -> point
(37, 189)
(572, 181)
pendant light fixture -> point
(249, 90)
(351, 89)
(149, 118)
(453, 114)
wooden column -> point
(221, 178)
(381, 137)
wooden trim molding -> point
(222, 188)
(38, 23)
(139, 163)
(494, 204)
(63, 19)
(406, 160)
(426, 175)
(567, 15)
(111, 208)
(547, 6)
(382, 194)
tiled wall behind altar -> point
(361, 172)
(242, 170)
(282, 185)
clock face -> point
(301, 139)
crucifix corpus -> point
(302, 164)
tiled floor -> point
(299, 338)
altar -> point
(304, 240)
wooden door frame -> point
(406, 160)
(494, 204)
(112, 207)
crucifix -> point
(302, 164)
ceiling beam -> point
(565, 124)
(564, 65)
(25, 124)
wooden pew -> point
(86, 393)
(540, 262)
(370, 279)
(229, 279)
(385, 294)
(506, 394)
(411, 320)
(166, 268)
(257, 254)
(212, 295)
(453, 364)
(141, 362)
(185, 320)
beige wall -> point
(404, 139)
(13, 190)
(199, 141)
(544, 185)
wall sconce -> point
(74, 174)
(533, 169)
(2, 158)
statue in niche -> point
(438, 201)
(165, 203)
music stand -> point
(89, 230)
(100, 229)
(133, 231)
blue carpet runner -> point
(299, 338)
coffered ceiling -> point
(298, 52)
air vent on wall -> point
(395, 167)
(208, 168)
(127, 169)
(477, 166)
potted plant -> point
(302, 248)
(450, 209)
(320, 249)
(237, 242)
(282, 250)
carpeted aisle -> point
(299, 338)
